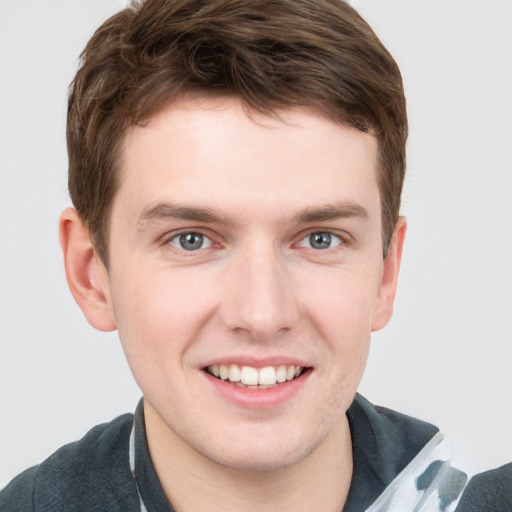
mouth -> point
(255, 378)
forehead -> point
(216, 152)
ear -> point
(86, 274)
(391, 267)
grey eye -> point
(320, 240)
(190, 241)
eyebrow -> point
(339, 210)
(165, 211)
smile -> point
(257, 378)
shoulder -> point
(90, 474)
(488, 492)
(407, 460)
(390, 439)
(389, 421)
(384, 443)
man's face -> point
(240, 244)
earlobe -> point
(86, 274)
(391, 268)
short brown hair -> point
(272, 54)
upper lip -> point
(257, 362)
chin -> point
(263, 455)
(259, 462)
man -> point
(236, 170)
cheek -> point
(341, 307)
(342, 302)
(158, 316)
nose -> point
(259, 295)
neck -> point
(193, 482)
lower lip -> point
(254, 398)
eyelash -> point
(341, 240)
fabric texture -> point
(400, 464)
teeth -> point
(223, 371)
(265, 377)
(249, 376)
(281, 374)
(234, 373)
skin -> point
(257, 290)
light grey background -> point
(446, 356)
